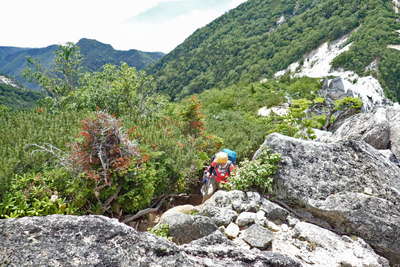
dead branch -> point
(145, 212)
(154, 208)
(60, 155)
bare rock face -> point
(373, 128)
(393, 115)
(184, 228)
(257, 236)
(98, 241)
(277, 230)
(220, 251)
(349, 184)
(319, 247)
(380, 129)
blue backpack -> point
(231, 155)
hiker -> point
(219, 170)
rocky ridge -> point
(99, 241)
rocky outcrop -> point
(281, 110)
(380, 129)
(269, 227)
(318, 64)
(99, 241)
(373, 128)
(348, 184)
(8, 81)
(314, 246)
(396, 6)
(184, 227)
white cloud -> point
(39, 23)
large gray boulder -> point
(380, 129)
(349, 184)
(184, 228)
(257, 236)
(219, 215)
(318, 247)
(393, 115)
(99, 241)
(373, 128)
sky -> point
(148, 25)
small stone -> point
(260, 215)
(272, 226)
(368, 191)
(285, 227)
(241, 243)
(246, 218)
(273, 211)
(232, 231)
(257, 236)
(292, 221)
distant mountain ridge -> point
(260, 37)
(95, 53)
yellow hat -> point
(221, 158)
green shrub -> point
(19, 129)
(161, 231)
(37, 194)
(256, 175)
(121, 180)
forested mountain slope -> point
(16, 98)
(261, 37)
(95, 54)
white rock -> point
(315, 246)
(322, 136)
(184, 209)
(285, 227)
(7, 81)
(279, 110)
(272, 226)
(232, 231)
(246, 218)
(396, 6)
(281, 20)
(318, 64)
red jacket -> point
(220, 172)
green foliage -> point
(63, 77)
(117, 90)
(389, 69)
(177, 142)
(231, 113)
(369, 43)
(162, 231)
(348, 103)
(37, 194)
(22, 128)
(247, 45)
(256, 175)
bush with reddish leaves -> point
(122, 182)
(104, 148)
